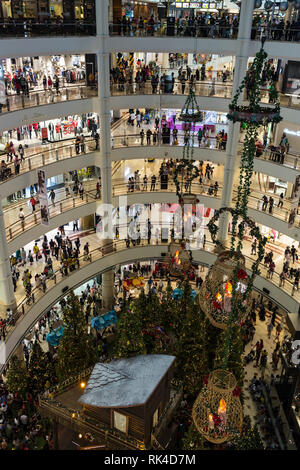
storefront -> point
(292, 132)
(182, 8)
(69, 69)
(41, 10)
(139, 9)
(53, 130)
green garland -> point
(254, 115)
(257, 114)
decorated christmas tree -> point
(235, 359)
(17, 376)
(129, 337)
(193, 440)
(191, 344)
(76, 351)
(41, 370)
(250, 438)
(167, 307)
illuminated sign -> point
(288, 131)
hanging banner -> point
(2, 86)
(44, 133)
(295, 197)
(42, 184)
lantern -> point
(178, 259)
(216, 292)
(257, 3)
(217, 411)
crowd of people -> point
(125, 78)
(58, 25)
(275, 29)
(206, 24)
(63, 250)
(166, 171)
(20, 422)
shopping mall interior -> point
(150, 225)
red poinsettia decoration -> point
(241, 274)
(216, 305)
(205, 380)
(216, 419)
(237, 391)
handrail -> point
(281, 214)
(295, 159)
(31, 220)
(17, 227)
(134, 140)
(145, 88)
(81, 419)
(45, 157)
(161, 29)
(40, 98)
(120, 245)
(26, 28)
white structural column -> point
(108, 290)
(104, 121)
(7, 296)
(240, 68)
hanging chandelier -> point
(179, 258)
(186, 171)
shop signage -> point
(69, 128)
(42, 184)
(192, 4)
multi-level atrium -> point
(149, 270)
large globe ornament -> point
(268, 5)
(216, 293)
(257, 3)
(217, 412)
(283, 6)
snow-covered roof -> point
(125, 382)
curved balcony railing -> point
(273, 33)
(119, 188)
(290, 160)
(287, 100)
(135, 140)
(279, 213)
(217, 90)
(25, 305)
(29, 29)
(46, 157)
(160, 29)
(39, 98)
(67, 150)
(31, 220)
